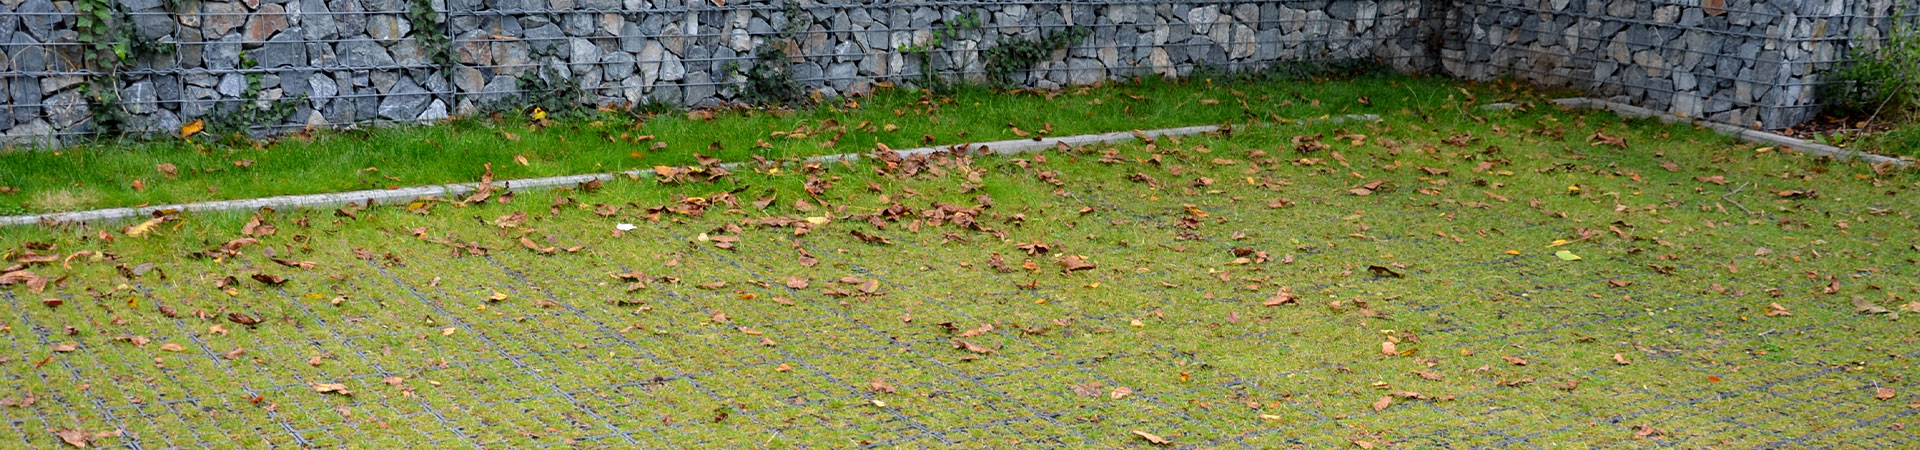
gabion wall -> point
(1754, 63)
(360, 62)
(333, 63)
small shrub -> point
(1884, 82)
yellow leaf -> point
(539, 114)
(143, 228)
(192, 128)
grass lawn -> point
(1445, 278)
(209, 168)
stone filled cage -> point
(267, 66)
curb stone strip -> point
(1753, 136)
(407, 194)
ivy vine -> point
(770, 80)
(432, 41)
(924, 51)
(108, 45)
(1016, 55)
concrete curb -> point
(1754, 136)
(409, 194)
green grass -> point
(103, 175)
(1902, 140)
(572, 356)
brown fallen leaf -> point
(983, 329)
(1862, 306)
(1090, 389)
(1648, 431)
(880, 385)
(1075, 263)
(1620, 359)
(1383, 403)
(269, 279)
(1514, 361)
(1775, 310)
(1389, 349)
(242, 319)
(971, 347)
(1120, 392)
(797, 282)
(65, 347)
(331, 388)
(1716, 179)
(82, 438)
(19, 402)
(1152, 438)
(1284, 297)
(1883, 393)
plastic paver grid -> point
(586, 372)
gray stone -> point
(152, 22)
(363, 54)
(582, 51)
(35, 133)
(140, 97)
(618, 65)
(55, 83)
(346, 14)
(232, 85)
(631, 38)
(699, 87)
(38, 19)
(436, 111)
(322, 86)
(405, 101)
(1085, 71)
(840, 75)
(66, 109)
(388, 27)
(223, 54)
(317, 19)
(283, 50)
(498, 90)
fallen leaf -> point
(1620, 359)
(1283, 297)
(971, 347)
(1862, 306)
(1090, 389)
(192, 128)
(1567, 256)
(1383, 403)
(1075, 263)
(1514, 361)
(880, 385)
(1883, 393)
(1775, 310)
(1152, 438)
(81, 438)
(331, 388)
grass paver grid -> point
(1204, 360)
